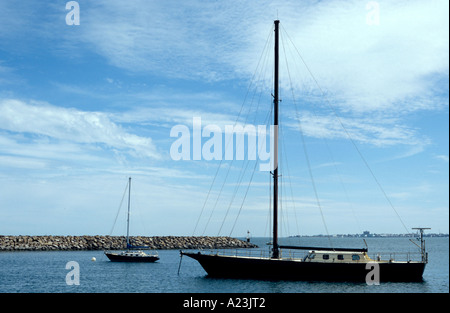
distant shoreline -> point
(97, 242)
(411, 235)
(101, 242)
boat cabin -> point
(337, 256)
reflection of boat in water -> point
(131, 254)
(320, 263)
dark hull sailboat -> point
(131, 254)
(290, 269)
(319, 264)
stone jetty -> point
(45, 243)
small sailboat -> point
(320, 263)
(132, 253)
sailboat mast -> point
(275, 252)
(128, 217)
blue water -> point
(45, 272)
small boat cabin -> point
(337, 256)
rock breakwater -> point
(45, 243)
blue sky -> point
(84, 107)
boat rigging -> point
(320, 263)
(132, 253)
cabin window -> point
(340, 256)
(355, 257)
(326, 257)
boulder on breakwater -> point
(44, 243)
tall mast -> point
(128, 218)
(275, 252)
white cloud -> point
(369, 67)
(392, 66)
(389, 66)
(169, 117)
(382, 132)
(442, 157)
(20, 162)
(72, 125)
(373, 76)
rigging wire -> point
(250, 181)
(306, 151)
(290, 186)
(327, 145)
(118, 211)
(269, 212)
(283, 209)
(348, 134)
(284, 165)
(243, 170)
(235, 123)
(245, 196)
(236, 188)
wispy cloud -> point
(109, 90)
(442, 157)
(150, 36)
(384, 67)
(381, 132)
(374, 67)
(392, 66)
(73, 126)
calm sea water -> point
(45, 272)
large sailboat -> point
(320, 263)
(132, 253)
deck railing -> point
(289, 254)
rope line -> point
(348, 134)
(118, 211)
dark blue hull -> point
(124, 258)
